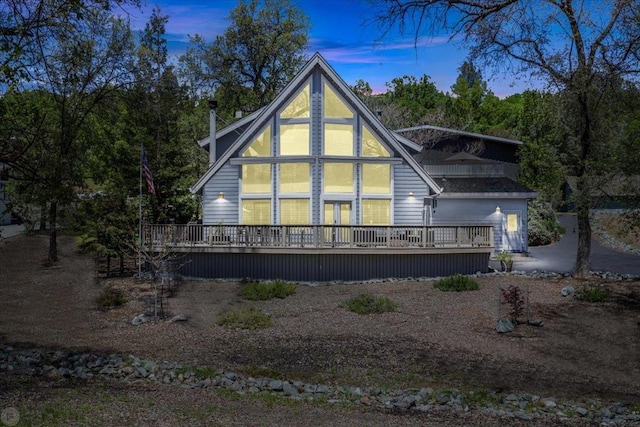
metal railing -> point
(318, 236)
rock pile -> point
(131, 369)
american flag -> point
(147, 174)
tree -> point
(579, 48)
(258, 54)
(82, 62)
(470, 92)
(26, 24)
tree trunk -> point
(53, 233)
(43, 217)
(583, 253)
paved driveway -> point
(561, 256)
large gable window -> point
(338, 177)
(300, 107)
(256, 179)
(294, 139)
(371, 147)
(256, 211)
(376, 178)
(338, 139)
(334, 107)
(294, 178)
(261, 146)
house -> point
(314, 187)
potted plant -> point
(506, 260)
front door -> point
(337, 213)
(512, 231)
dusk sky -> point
(339, 32)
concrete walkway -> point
(560, 257)
(7, 231)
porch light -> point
(221, 195)
(411, 194)
(497, 209)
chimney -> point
(212, 130)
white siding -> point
(216, 210)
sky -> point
(340, 33)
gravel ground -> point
(434, 339)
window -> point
(376, 178)
(371, 147)
(338, 139)
(299, 107)
(256, 179)
(376, 212)
(294, 211)
(338, 177)
(294, 139)
(294, 178)
(333, 105)
(512, 223)
(256, 211)
(261, 147)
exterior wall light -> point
(498, 209)
(221, 195)
(411, 194)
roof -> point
(461, 132)
(485, 186)
(267, 112)
(439, 157)
(204, 143)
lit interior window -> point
(371, 147)
(294, 177)
(256, 211)
(338, 139)
(256, 179)
(294, 139)
(261, 146)
(376, 212)
(294, 211)
(333, 105)
(338, 178)
(376, 178)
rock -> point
(139, 319)
(179, 318)
(568, 291)
(511, 398)
(365, 400)
(504, 325)
(549, 403)
(275, 385)
(581, 411)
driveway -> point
(561, 256)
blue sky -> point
(340, 34)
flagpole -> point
(140, 217)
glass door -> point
(337, 213)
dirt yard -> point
(434, 339)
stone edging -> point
(132, 370)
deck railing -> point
(318, 236)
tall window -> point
(338, 139)
(338, 177)
(256, 179)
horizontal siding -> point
(214, 209)
(408, 211)
(330, 267)
(480, 212)
(508, 170)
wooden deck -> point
(328, 237)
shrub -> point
(369, 304)
(111, 298)
(542, 225)
(456, 283)
(255, 291)
(593, 293)
(514, 298)
(250, 318)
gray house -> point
(314, 187)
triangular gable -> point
(304, 75)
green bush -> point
(111, 298)
(542, 225)
(250, 318)
(593, 293)
(456, 283)
(369, 304)
(256, 291)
